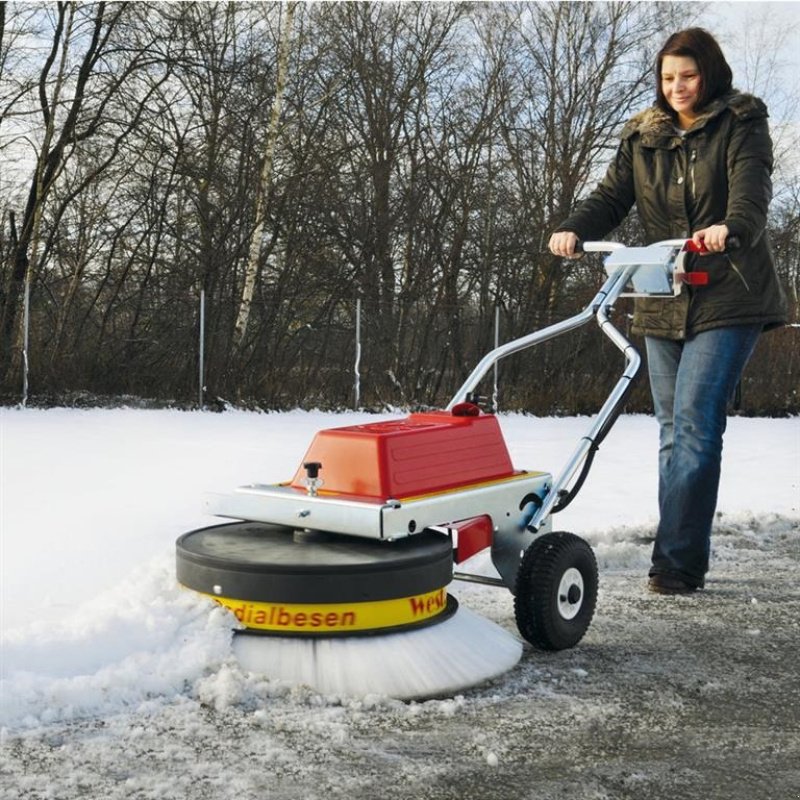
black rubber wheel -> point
(556, 591)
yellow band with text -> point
(315, 618)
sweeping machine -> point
(339, 577)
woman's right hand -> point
(563, 244)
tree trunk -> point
(48, 165)
(265, 179)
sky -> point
(753, 32)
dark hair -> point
(715, 73)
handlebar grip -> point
(582, 247)
(732, 244)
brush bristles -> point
(434, 661)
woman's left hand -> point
(714, 238)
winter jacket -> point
(719, 171)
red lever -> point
(695, 278)
(692, 247)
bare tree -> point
(577, 72)
(74, 92)
(387, 52)
(262, 188)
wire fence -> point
(131, 365)
(177, 351)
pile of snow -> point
(91, 503)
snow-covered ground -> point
(117, 683)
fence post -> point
(26, 321)
(201, 351)
(495, 402)
(357, 386)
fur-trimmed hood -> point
(655, 122)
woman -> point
(696, 165)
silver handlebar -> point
(631, 271)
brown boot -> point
(670, 584)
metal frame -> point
(379, 519)
(665, 258)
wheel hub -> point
(570, 593)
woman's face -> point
(680, 83)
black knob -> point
(574, 594)
(312, 468)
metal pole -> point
(495, 403)
(538, 337)
(357, 386)
(26, 319)
(201, 356)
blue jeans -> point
(691, 382)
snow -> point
(96, 631)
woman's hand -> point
(563, 244)
(714, 238)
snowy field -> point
(118, 684)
